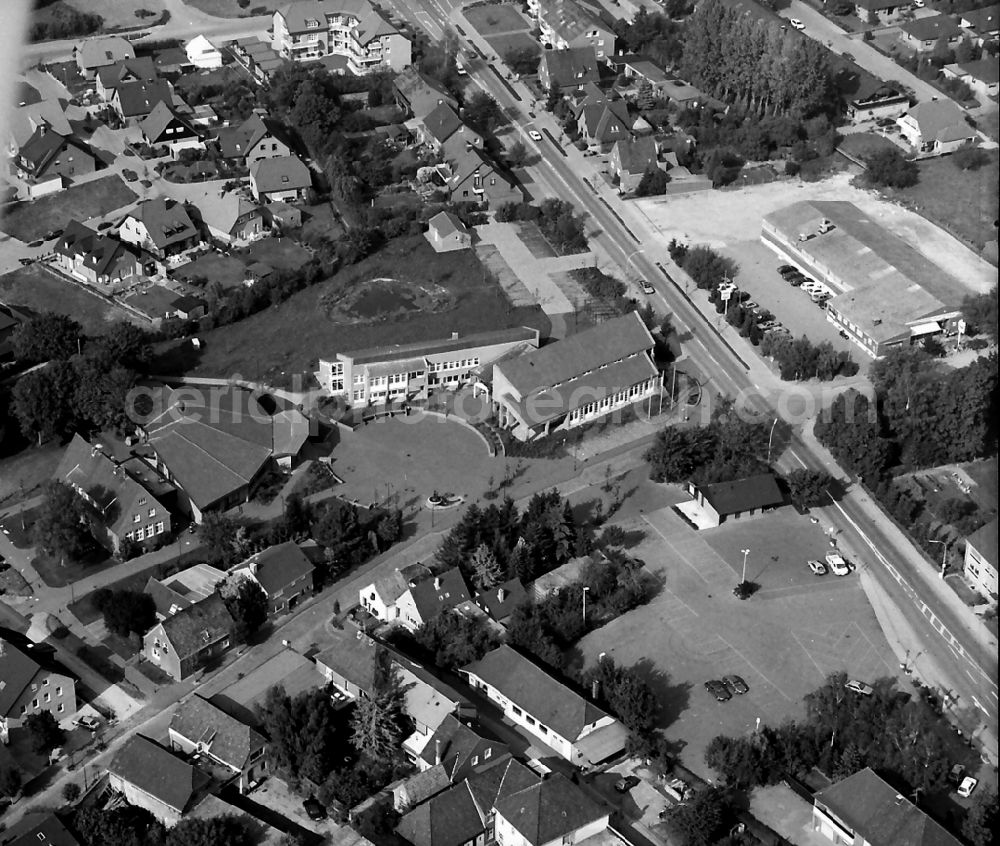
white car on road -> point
(534, 135)
(837, 563)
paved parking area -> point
(784, 641)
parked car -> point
(848, 56)
(795, 280)
(37, 243)
(626, 783)
(835, 561)
(859, 687)
(647, 288)
(750, 305)
(797, 24)
(534, 135)
(736, 684)
(957, 774)
(88, 722)
(818, 567)
(314, 809)
(787, 270)
(677, 789)
(967, 786)
(718, 690)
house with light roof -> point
(203, 54)
(95, 53)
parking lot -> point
(783, 641)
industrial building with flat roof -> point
(889, 294)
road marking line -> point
(751, 665)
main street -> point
(950, 638)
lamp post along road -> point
(745, 552)
(944, 556)
(769, 439)
(585, 589)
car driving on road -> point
(534, 135)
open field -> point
(496, 20)
(30, 468)
(346, 312)
(784, 641)
(503, 44)
(215, 267)
(231, 9)
(28, 221)
(121, 13)
(37, 289)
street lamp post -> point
(745, 552)
(944, 555)
(769, 437)
(585, 589)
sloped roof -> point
(21, 661)
(983, 21)
(140, 97)
(223, 212)
(42, 147)
(442, 122)
(298, 14)
(983, 70)
(352, 656)
(573, 67)
(373, 25)
(418, 349)
(24, 121)
(760, 491)
(637, 154)
(96, 52)
(881, 814)
(439, 593)
(199, 46)
(445, 224)
(500, 601)
(276, 567)
(38, 829)
(984, 541)
(159, 119)
(236, 141)
(183, 589)
(582, 353)
(605, 121)
(569, 20)
(535, 691)
(166, 221)
(140, 68)
(157, 771)
(457, 743)
(280, 174)
(549, 810)
(421, 92)
(423, 785)
(226, 738)
(190, 629)
(931, 28)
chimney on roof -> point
(43, 128)
(595, 688)
(437, 750)
(501, 594)
(437, 583)
(454, 336)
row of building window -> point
(138, 517)
(606, 403)
(46, 698)
(142, 533)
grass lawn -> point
(30, 468)
(215, 267)
(28, 221)
(289, 338)
(494, 20)
(120, 13)
(56, 573)
(280, 253)
(230, 8)
(863, 144)
(320, 222)
(38, 289)
(503, 44)
(965, 202)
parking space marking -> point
(753, 667)
(669, 543)
(809, 655)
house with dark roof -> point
(38, 829)
(552, 811)
(462, 815)
(349, 663)
(571, 382)
(461, 749)
(47, 161)
(150, 776)
(182, 590)
(418, 788)
(280, 180)
(182, 644)
(121, 500)
(283, 573)
(477, 179)
(568, 69)
(921, 34)
(865, 808)
(739, 499)
(200, 728)
(602, 124)
(160, 226)
(419, 95)
(94, 53)
(97, 259)
(885, 11)
(428, 597)
(443, 131)
(570, 724)
(882, 102)
(258, 57)
(255, 139)
(982, 24)
(446, 233)
(982, 76)
(133, 100)
(630, 160)
(499, 602)
(166, 126)
(136, 69)
(33, 682)
(980, 568)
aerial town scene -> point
(515, 422)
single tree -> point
(890, 168)
(46, 337)
(378, 722)
(517, 154)
(71, 791)
(653, 183)
(126, 611)
(808, 488)
(42, 401)
(10, 781)
(483, 113)
(44, 732)
(699, 822)
(247, 603)
(981, 820)
(488, 571)
(60, 525)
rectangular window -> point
(517, 711)
(136, 518)
(48, 697)
(152, 512)
(60, 708)
(59, 691)
(140, 535)
(159, 528)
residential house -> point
(603, 123)
(380, 597)
(349, 664)
(552, 812)
(138, 69)
(203, 54)
(94, 53)
(922, 34)
(33, 682)
(171, 62)
(500, 601)
(571, 382)
(164, 126)
(279, 180)
(631, 159)
(150, 776)
(154, 302)
(714, 504)
(182, 644)
(983, 24)
(353, 30)
(885, 102)
(447, 233)
(200, 728)
(133, 101)
(982, 77)
(48, 162)
(550, 583)
(161, 227)
(229, 217)
(427, 701)
(562, 719)
(188, 307)
(443, 131)
(97, 259)
(283, 573)
(413, 371)
(258, 58)
(884, 11)
(428, 597)
(865, 809)
(283, 216)
(418, 788)
(638, 68)
(981, 559)
(476, 179)
(568, 69)
(124, 503)
(460, 750)
(463, 814)
(564, 24)
(38, 829)
(182, 590)
(254, 140)
(419, 95)
(25, 121)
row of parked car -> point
(766, 322)
(818, 292)
(724, 688)
(834, 561)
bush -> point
(892, 169)
(71, 791)
(970, 158)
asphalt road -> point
(957, 644)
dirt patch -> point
(531, 236)
(384, 299)
(27, 221)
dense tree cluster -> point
(704, 265)
(44, 731)
(224, 830)
(125, 611)
(123, 826)
(525, 545)
(801, 359)
(626, 694)
(808, 488)
(889, 167)
(701, 820)
(653, 183)
(728, 448)
(64, 21)
(247, 605)
(453, 640)
(653, 34)
(980, 312)
(842, 734)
